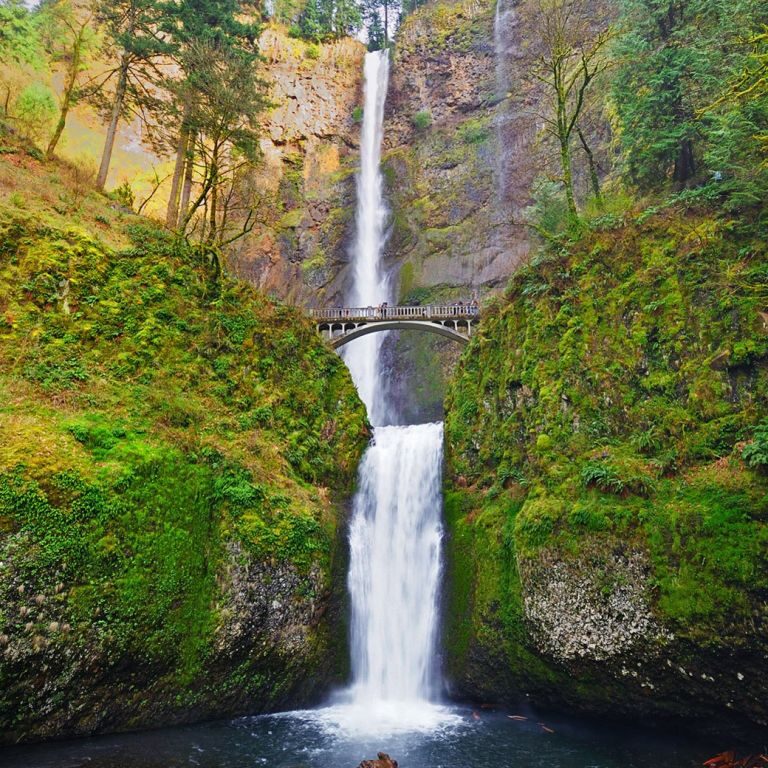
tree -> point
(381, 17)
(377, 39)
(737, 151)
(326, 20)
(19, 41)
(189, 26)
(134, 40)
(18, 34)
(228, 100)
(69, 39)
(674, 58)
(572, 57)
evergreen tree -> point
(326, 20)
(675, 57)
(228, 100)
(19, 42)
(737, 153)
(134, 40)
(189, 26)
(381, 19)
(376, 37)
(310, 24)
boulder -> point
(383, 761)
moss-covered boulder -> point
(608, 499)
(174, 453)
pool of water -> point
(340, 737)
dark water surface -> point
(324, 738)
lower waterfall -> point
(395, 565)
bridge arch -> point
(350, 331)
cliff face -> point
(458, 160)
(305, 186)
(175, 451)
(607, 493)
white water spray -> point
(395, 564)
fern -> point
(756, 452)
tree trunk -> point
(593, 176)
(172, 214)
(685, 163)
(565, 161)
(565, 147)
(189, 170)
(69, 91)
(214, 201)
(117, 110)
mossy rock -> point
(175, 454)
(587, 403)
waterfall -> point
(503, 25)
(396, 530)
(395, 564)
(370, 285)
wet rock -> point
(305, 184)
(383, 761)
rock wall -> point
(459, 152)
(305, 186)
(176, 452)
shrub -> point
(618, 477)
(422, 120)
(123, 195)
(756, 452)
(35, 109)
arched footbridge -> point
(343, 324)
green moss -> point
(422, 120)
(596, 398)
(292, 219)
(155, 418)
(406, 279)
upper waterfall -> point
(370, 285)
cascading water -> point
(503, 24)
(370, 285)
(395, 564)
(396, 530)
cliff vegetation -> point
(174, 452)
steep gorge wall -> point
(459, 157)
(175, 455)
(305, 185)
(608, 540)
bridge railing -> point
(361, 314)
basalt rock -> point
(608, 546)
(304, 188)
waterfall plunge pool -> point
(339, 737)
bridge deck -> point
(373, 314)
